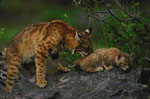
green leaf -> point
(137, 4)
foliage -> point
(65, 17)
(124, 29)
(1, 31)
(129, 37)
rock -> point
(81, 85)
(145, 76)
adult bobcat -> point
(41, 40)
(105, 57)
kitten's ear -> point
(117, 58)
(89, 30)
(132, 56)
(78, 36)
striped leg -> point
(40, 60)
(14, 62)
(42, 51)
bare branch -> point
(115, 16)
(108, 11)
(101, 15)
(128, 13)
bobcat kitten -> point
(104, 57)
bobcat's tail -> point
(3, 71)
(3, 75)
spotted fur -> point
(104, 57)
(37, 41)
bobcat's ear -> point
(89, 30)
(1, 54)
(78, 36)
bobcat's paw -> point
(42, 83)
(67, 69)
(64, 69)
(8, 89)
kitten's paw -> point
(42, 83)
(99, 69)
(109, 68)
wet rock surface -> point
(81, 85)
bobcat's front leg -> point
(42, 52)
(55, 58)
(40, 60)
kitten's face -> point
(123, 61)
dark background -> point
(16, 14)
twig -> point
(99, 1)
(146, 26)
(108, 11)
(147, 58)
